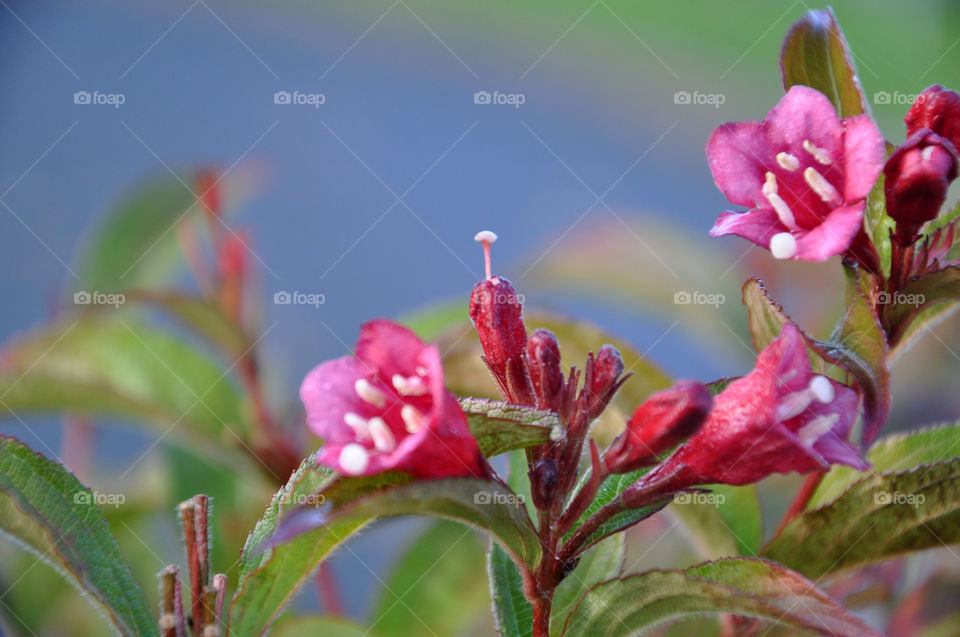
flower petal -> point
(805, 114)
(757, 225)
(833, 236)
(738, 154)
(863, 156)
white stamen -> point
(927, 153)
(780, 206)
(412, 418)
(783, 245)
(358, 424)
(354, 459)
(383, 438)
(421, 370)
(821, 186)
(369, 393)
(485, 236)
(822, 389)
(813, 430)
(409, 385)
(820, 154)
(769, 185)
(788, 161)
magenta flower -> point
(803, 173)
(387, 408)
(781, 417)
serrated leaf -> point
(600, 563)
(434, 586)
(879, 517)
(742, 586)
(919, 295)
(500, 427)
(96, 365)
(512, 613)
(730, 524)
(50, 513)
(816, 54)
(889, 454)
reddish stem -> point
(800, 501)
(329, 592)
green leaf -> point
(741, 586)
(877, 518)
(500, 427)
(602, 562)
(610, 490)
(434, 587)
(204, 317)
(859, 344)
(878, 225)
(512, 613)
(815, 54)
(136, 244)
(482, 503)
(316, 627)
(765, 316)
(269, 578)
(95, 365)
(920, 295)
(48, 512)
(899, 452)
(730, 523)
(467, 376)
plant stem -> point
(800, 501)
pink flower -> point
(387, 408)
(803, 173)
(781, 417)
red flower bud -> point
(543, 362)
(543, 482)
(603, 379)
(665, 420)
(939, 110)
(497, 314)
(917, 176)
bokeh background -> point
(596, 183)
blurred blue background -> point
(373, 197)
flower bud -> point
(917, 177)
(938, 110)
(543, 362)
(497, 314)
(665, 420)
(603, 379)
(543, 482)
